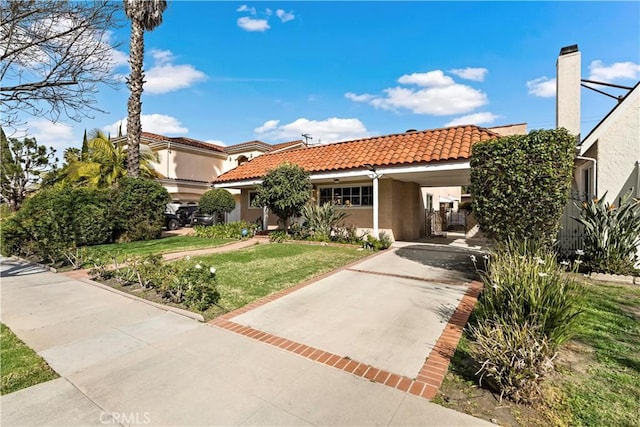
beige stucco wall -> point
(197, 165)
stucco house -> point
(381, 181)
(188, 165)
(608, 158)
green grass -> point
(158, 246)
(21, 367)
(249, 274)
(609, 394)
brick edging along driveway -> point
(427, 381)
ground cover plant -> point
(242, 276)
(21, 367)
(596, 380)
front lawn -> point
(246, 275)
(164, 245)
(21, 367)
(597, 378)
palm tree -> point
(105, 163)
(145, 15)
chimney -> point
(568, 90)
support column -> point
(376, 206)
(265, 219)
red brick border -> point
(430, 376)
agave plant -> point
(611, 234)
(323, 220)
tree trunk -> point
(134, 105)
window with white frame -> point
(347, 195)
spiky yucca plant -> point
(322, 220)
(611, 234)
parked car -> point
(171, 221)
(200, 218)
(185, 214)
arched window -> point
(242, 160)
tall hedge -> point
(138, 209)
(520, 184)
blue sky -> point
(230, 72)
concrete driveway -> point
(125, 362)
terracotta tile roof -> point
(185, 141)
(284, 145)
(259, 145)
(418, 147)
(244, 146)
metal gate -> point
(570, 236)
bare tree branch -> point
(54, 54)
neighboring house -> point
(378, 180)
(608, 158)
(189, 166)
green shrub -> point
(232, 230)
(193, 284)
(187, 282)
(138, 209)
(383, 242)
(348, 234)
(323, 221)
(513, 359)
(217, 201)
(520, 184)
(278, 236)
(611, 235)
(54, 222)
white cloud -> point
(154, 123)
(617, 71)
(323, 131)
(359, 98)
(440, 95)
(118, 59)
(429, 79)
(164, 76)
(285, 16)
(437, 101)
(542, 87)
(268, 126)
(469, 73)
(245, 8)
(474, 119)
(251, 24)
(56, 135)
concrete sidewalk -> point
(124, 362)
